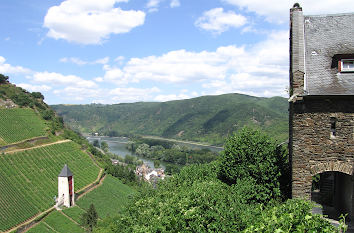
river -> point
(117, 145)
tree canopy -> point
(254, 156)
(3, 78)
(89, 219)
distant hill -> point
(206, 119)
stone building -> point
(321, 107)
(66, 194)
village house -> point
(321, 108)
(150, 174)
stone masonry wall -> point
(312, 149)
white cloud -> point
(218, 21)
(80, 62)
(131, 94)
(164, 98)
(60, 79)
(30, 87)
(6, 68)
(260, 69)
(278, 10)
(178, 66)
(72, 93)
(90, 21)
(175, 3)
(153, 3)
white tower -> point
(65, 187)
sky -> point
(119, 51)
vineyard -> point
(57, 222)
(18, 124)
(28, 181)
(111, 197)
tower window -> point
(333, 127)
(346, 65)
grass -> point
(109, 198)
(62, 224)
(75, 213)
(40, 228)
(18, 124)
(29, 179)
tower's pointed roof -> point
(65, 172)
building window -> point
(333, 127)
(346, 65)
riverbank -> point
(181, 141)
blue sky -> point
(116, 51)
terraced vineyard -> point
(58, 222)
(29, 179)
(111, 197)
(18, 124)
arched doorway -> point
(332, 188)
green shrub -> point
(252, 155)
(292, 216)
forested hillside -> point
(206, 119)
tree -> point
(252, 155)
(96, 143)
(104, 146)
(157, 163)
(89, 219)
(3, 78)
(37, 95)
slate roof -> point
(327, 39)
(65, 172)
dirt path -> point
(29, 221)
(50, 227)
(31, 148)
(92, 188)
(60, 211)
(31, 140)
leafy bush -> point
(37, 95)
(3, 78)
(252, 155)
(292, 216)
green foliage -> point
(157, 163)
(207, 119)
(74, 212)
(104, 146)
(37, 95)
(124, 173)
(252, 155)
(109, 198)
(195, 200)
(89, 219)
(3, 78)
(171, 169)
(29, 179)
(175, 154)
(22, 100)
(41, 227)
(33, 100)
(292, 216)
(96, 143)
(18, 124)
(47, 114)
(62, 224)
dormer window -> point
(346, 65)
